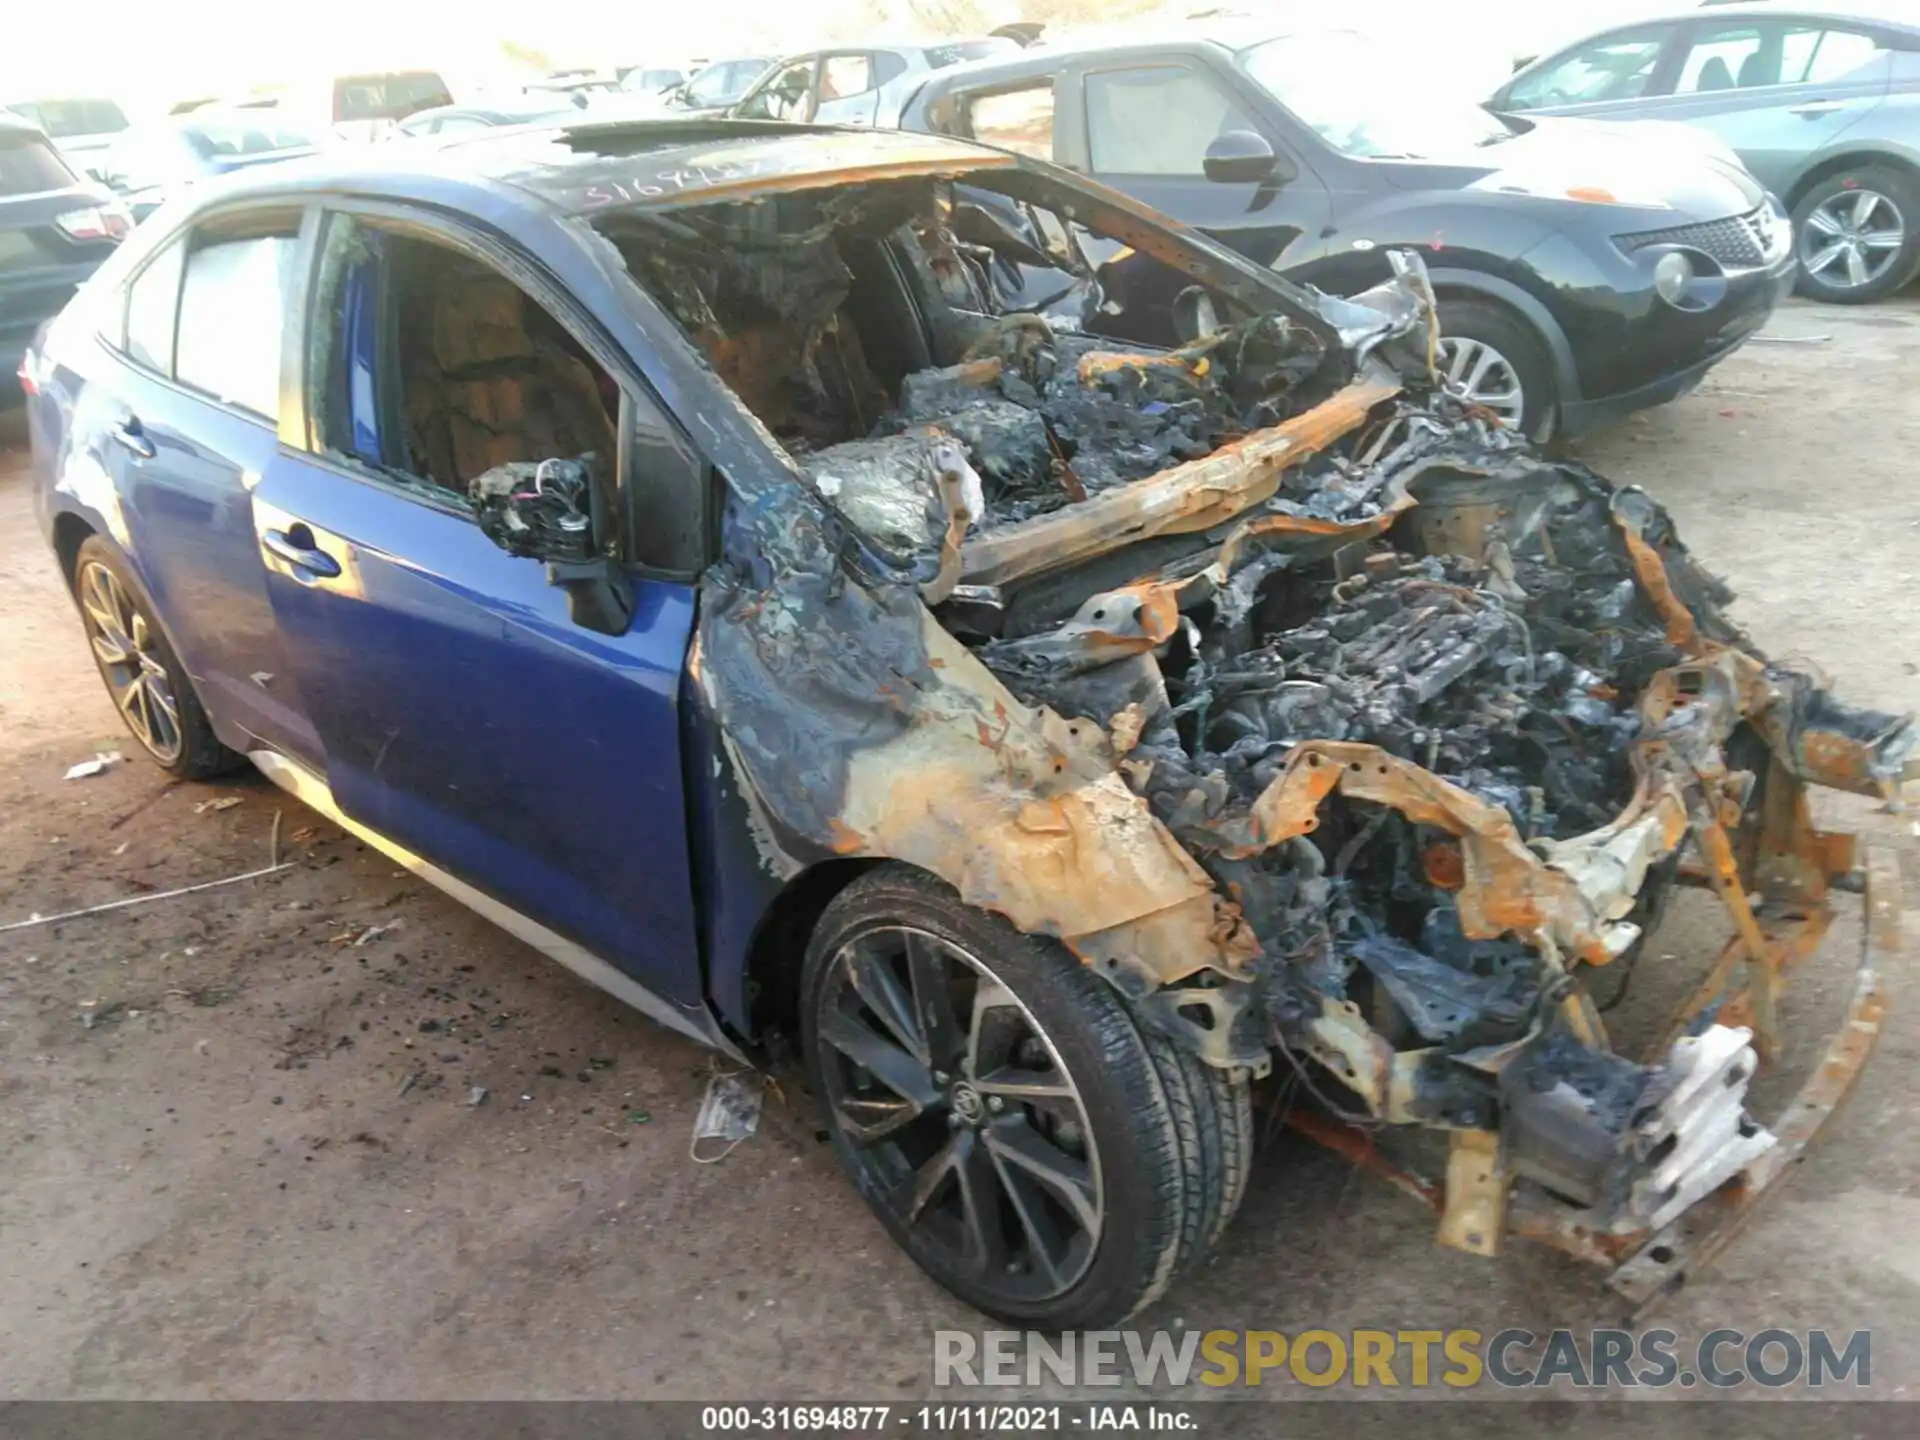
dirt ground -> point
(241, 1161)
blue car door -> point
(462, 713)
(186, 429)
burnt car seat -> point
(487, 386)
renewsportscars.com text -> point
(1380, 1359)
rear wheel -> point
(1857, 235)
(1494, 358)
(999, 1111)
(149, 686)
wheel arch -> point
(1477, 285)
(1829, 166)
(70, 531)
(778, 948)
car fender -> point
(1565, 374)
(1845, 151)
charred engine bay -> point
(1421, 583)
(1514, 673)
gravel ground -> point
(242, 1161)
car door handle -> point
(128, 435)
(296, 547)
(1814, 109)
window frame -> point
(778, 68)
(963, 100)
(292, 302)
(122, 345)
(820, 75)
(1700, 32)
(639, 402)
(1699, 27)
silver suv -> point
(1821, 101)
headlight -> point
(1671, 274)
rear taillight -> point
(28, 381)
(95, 222)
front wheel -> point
(1495, 360)
(995, 1105)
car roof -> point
(12, 124)
(594, 166)
(1900, 14)
(1143, 38)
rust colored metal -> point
(1443, 866)
(1505, 886)
(1662, 1264)
(1683, 633)
(1474, 1218)
(1762, 963)
(1195, 496)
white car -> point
(857, 84)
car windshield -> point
(228, 137)
(1355, 97)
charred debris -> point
(1526, 693)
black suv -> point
(1584, 270)
(55, 229)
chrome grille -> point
(1739, 242)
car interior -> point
(452, 370)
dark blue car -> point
(770, 580)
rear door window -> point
(842, 76)
(1157, 120)
(232, 307)
(1017, 120)
(1730, 57)
(30, 166)
(153, 304)
(1822, 57)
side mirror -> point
(1240, 157)
(554, 511)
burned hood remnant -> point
(1321, 715)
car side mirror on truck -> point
(1240, 157)
(557, 511)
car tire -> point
(1474, 330)
(1212, 1111)
(1898, 200)
(1134, 1128)
(144, 678)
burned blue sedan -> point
(773, 571)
